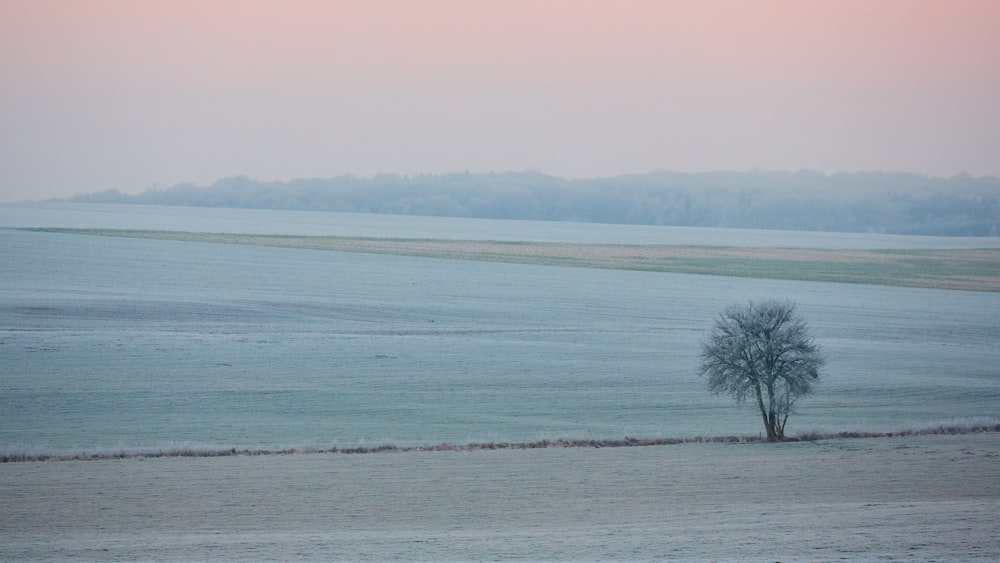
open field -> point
(890, 499)
(973, 269)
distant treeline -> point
(885, 202)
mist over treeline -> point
(886, 202)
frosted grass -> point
(948, 428)
(916, 498)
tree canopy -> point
(762, 351)
(884, 202)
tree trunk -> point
(781, 425)
(768, 425)
(771, 419)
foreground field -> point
(975, 269)
(908, 498)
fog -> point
(883, 202)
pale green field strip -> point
(974, 270)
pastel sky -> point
(129, 94)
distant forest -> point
(883, 202)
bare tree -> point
(762, 351)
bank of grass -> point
(954, 428)
(974, 270)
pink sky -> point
(127, 94)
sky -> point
(134, 94)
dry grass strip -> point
(626, 442)
(974, 270)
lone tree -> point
(762, 351)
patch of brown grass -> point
(975, 270)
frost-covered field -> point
(128, 345)
(112, 345)
(889, 499)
